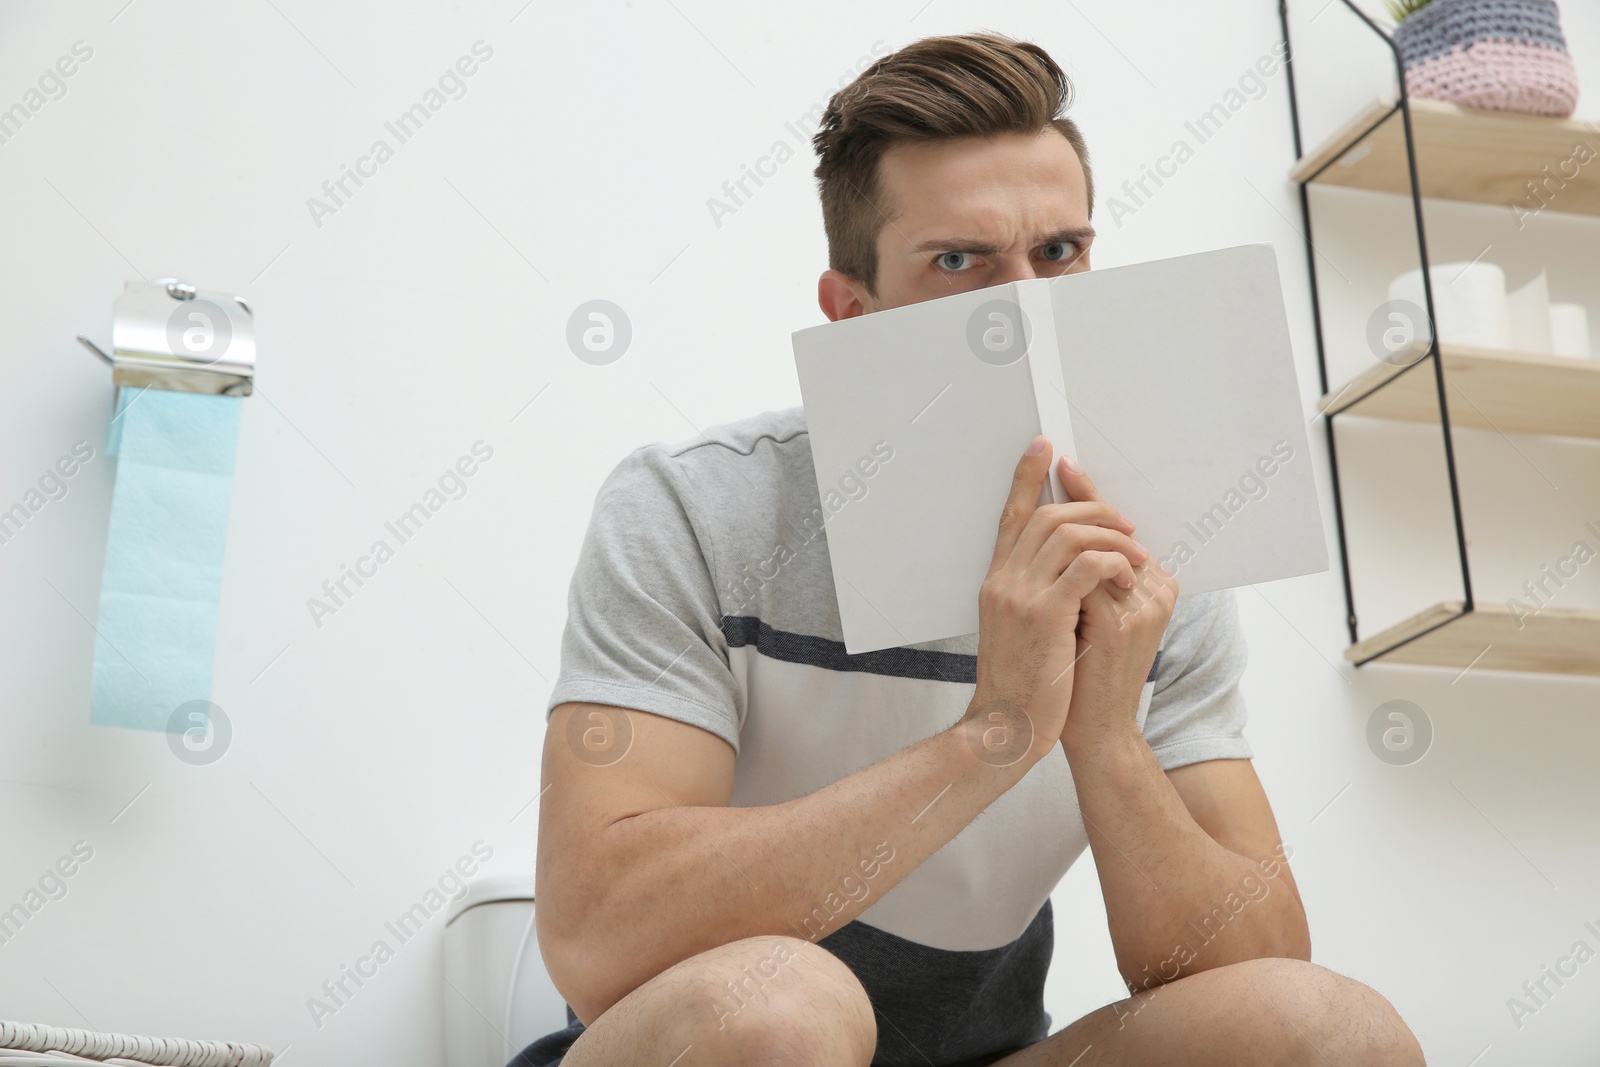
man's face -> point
(968, 214)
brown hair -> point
(935, 89)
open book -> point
(1172, 382)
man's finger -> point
(1088, 570)
(1027, 484)
(1048, 519)
(1076, 481)
(1066, 542)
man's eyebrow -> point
(1075, 234)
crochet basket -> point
(33, 1045)
(1508, 55)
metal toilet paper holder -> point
(168, 334)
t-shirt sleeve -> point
(643, 625)
(1196, 710)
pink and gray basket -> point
(1508, 55)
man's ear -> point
(842, 297)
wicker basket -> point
(33, 1045)
(1508, 55)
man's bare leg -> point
(1264, 1011)
(758, 1001)
(770, 1000)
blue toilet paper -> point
(157, 633)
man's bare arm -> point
(643, 864)
(1179, 901)
(1187, 862)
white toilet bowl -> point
(497, 997)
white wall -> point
(372, 751)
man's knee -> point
(781, 998)
(1345, 1020)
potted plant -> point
(1508, 55)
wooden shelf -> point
(1471, 154)
(1513, 392)
(1552, 641)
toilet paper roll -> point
(1529, 308)
(1469, 302)
(1569, 330)
(157, 632)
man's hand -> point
(1119, 630)
(1048, 562)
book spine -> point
(1045, 367)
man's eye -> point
(954, 261)
(1057, 251)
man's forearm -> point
(1177, 901)
(662, 885)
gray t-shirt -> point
(703, 593)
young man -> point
(755, 848)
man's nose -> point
(1014, 268)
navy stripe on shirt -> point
(744, 630)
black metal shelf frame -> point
(1404, 107)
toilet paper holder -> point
(168, 334)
